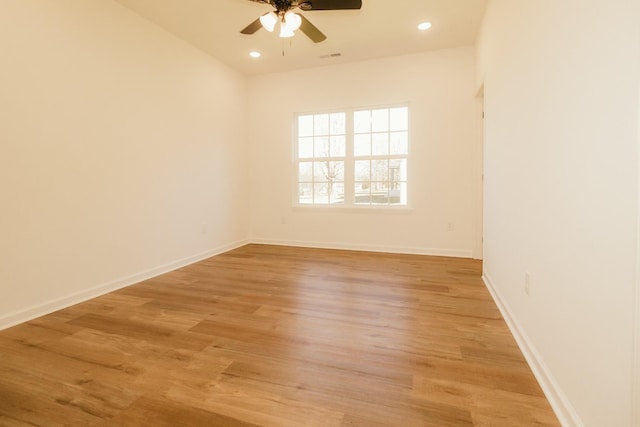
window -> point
(353, 158)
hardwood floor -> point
(277, 336)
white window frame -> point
(349, 163)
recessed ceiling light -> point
(424, 26)
(255, 54)
(331, 55)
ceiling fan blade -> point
(252, 28)
(331, 4)
(311, 30)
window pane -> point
(380, 170)
(305, 148)
(321, 124)
(379, 193)
(397, 181)
(337, 124)
(403, 194)
(379, 188)
(399, 143)
(305, 172)
(362, 193)
(362, 145)
(338, 146)
(399, 118)
(320, 170)
(305, 193)
(380, 144)
(321, 146)
(305, 126)
(362, 121)
(363, 170)
(336, 193)
(398, 170)
(335, 171)
(394, 196)
(380, 120)
(320, 194)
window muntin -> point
(353, 158)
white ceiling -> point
(381, 28)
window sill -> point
(354, 209)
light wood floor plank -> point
(277, 336)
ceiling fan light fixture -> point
(292, 21)
(285, 32)
(269, 21)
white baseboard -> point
(561, 405)
(635, 395)
(367, 248)
(17, 317)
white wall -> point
(117, 142)
(636, 390)
(561, 193)
(439, 89)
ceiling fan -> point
(290, 21)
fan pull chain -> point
(284, 41)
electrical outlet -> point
(451, 226)
(283, 220)
(527, 283)
(204, 228)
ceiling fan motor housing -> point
(282, 5)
